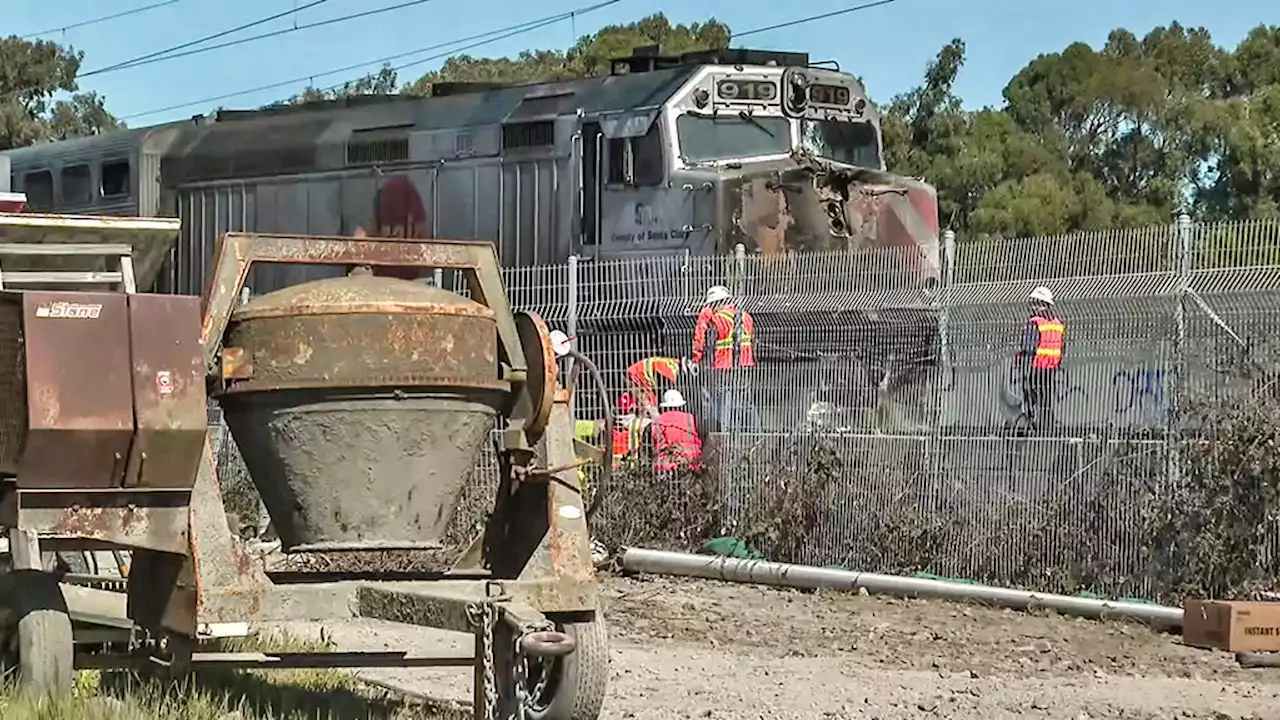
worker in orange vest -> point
(675, 436)
(655, 375)
(1040, 358)
(628, 428)
(732, 359)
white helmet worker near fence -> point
(716, 294)
(1042, 294)
(675, 435)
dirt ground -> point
(696, 649)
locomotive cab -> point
(778, 156)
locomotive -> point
(686, 155)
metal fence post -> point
(571, 322)
(1183, 250)
(947, 279)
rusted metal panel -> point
(13, 384)
(79, 394)
(147, 520)
(170, 405)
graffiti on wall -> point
(1093, 391)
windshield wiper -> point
(747, 117)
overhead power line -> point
(206, 38)
(812, 18)
(474, 41)
(252, 38)
(100, 19)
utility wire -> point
(206, 38)
(100, 19)
(812, 18)
(252, 38)
(480, 39)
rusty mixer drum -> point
(360, 404)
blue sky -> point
(887, 45)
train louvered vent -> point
(377, 146)
(540, 133)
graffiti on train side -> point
(398, 210)
(397, 213)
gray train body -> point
(664, 156)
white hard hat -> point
(1043, 294)
(560, 343)
(717, 293)
(672, 399)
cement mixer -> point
(359, 404)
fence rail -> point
(910, 383)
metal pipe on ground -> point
(661, 562)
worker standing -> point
(732, 359)
(675, 436)
(1040, 358)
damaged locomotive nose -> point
(816, 207)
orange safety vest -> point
(626, 441)
(644, 374)
(1049, 350)
(675, 441)
(722, 318)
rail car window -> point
(115, 178)
(77, 185)
(38, 186)
(637, 161)
(852, 143)
(723, 137)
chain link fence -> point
(929, 461)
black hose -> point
(606, 465)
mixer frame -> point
(525, 589)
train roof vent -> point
(524, 135)
(648, 59)
(445, 89)
(378, 145)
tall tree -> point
(38, 95)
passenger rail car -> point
(666, 155)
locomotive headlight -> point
(860, 106)
(701, 97)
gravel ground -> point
(695, 649)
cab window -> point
(849, 142)
(638, 160)
(705, 138)
(38, 185)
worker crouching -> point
(676, 444)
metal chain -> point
(524, 697)
(484, 617)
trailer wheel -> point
(41, 646)
(577, 683)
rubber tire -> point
(584, 678)
(44, 639)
